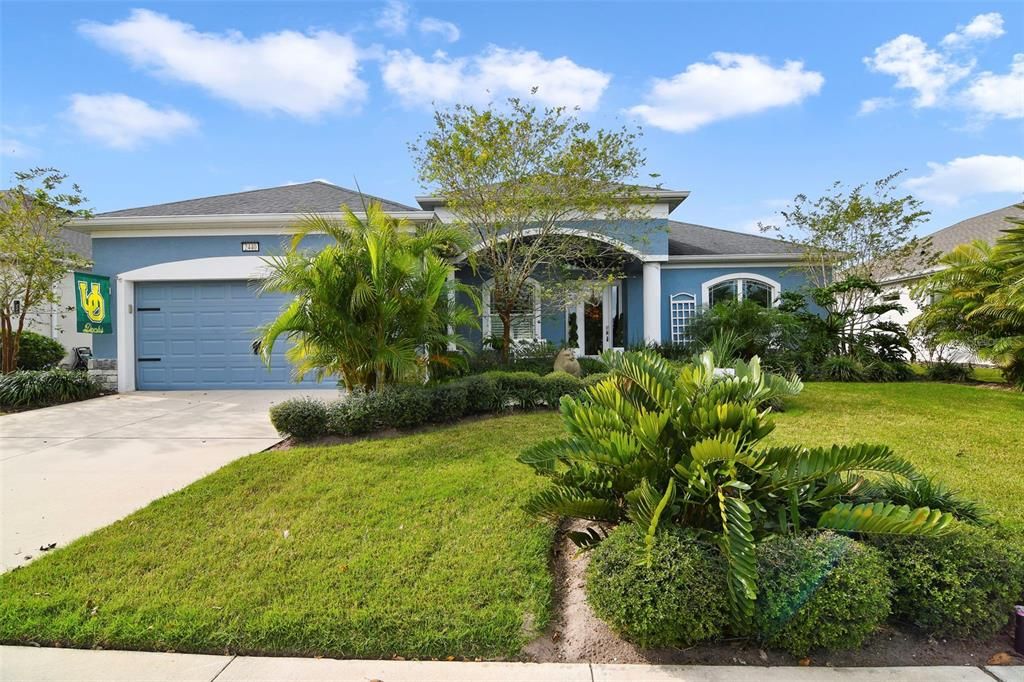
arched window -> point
(525, 315)
(741, 286)
(683, 307)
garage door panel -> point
(203, 334)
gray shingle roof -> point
(986, 227)
(307, 197)
(687, 239)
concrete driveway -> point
(68, 470)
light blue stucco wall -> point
(690, 280)
(113, 256)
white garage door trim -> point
(196, 269)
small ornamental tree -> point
(33, 254)
(517, 180)
(851, 238)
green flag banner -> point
(92, 304)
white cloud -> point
(491, 74)
(736, 85)
(992, 95)
(445, 29)
(873, 104)
(982, 27)
(917, 67)
(299, 74)
(394, 18)
(124, 122)
(948, 183)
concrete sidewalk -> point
(30, 664)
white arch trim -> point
(705, 288)
(576, 232)
(485, 296)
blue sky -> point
(743, 104)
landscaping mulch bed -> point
(576, 635)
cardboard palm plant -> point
(655, 445)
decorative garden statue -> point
(565, 361)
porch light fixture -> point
(250, 247)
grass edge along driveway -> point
(414, 546)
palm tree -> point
(373, 306)
(978, 300)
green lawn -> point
(414, 546)
(969, 436)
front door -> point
(598, 321)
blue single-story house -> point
(186, 308)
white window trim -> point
(485, 291)
(705, 288)
(681, 298)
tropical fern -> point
(657, 445)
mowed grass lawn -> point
(971, 437)
(416, 546)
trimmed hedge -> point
(820, 591)
(961, 585)
(677, 600)
(406, 407)
(36, 351)
(39, 388)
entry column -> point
(652, 302)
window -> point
(742, 286)
(682, 307)
(525, 323)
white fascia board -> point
(224, 224)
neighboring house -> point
(986, 227)
(57, 320)
(186, 308)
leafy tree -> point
(514, 179)
(977, 300)
(374, 307)
(33, 254)
(657, 446)
(850, 238)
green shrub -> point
(931, 493)
(555, 385)
(522, 388)
(595, 378)
(300, 418)
(960, 585)
(678, 599)
(953, 372)
(821, 591)
(888, 370)
(841, 368)
(36, 351)
(339, 418)
(590, 366)
(447, 402)
(38, 388)
(481, 394)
